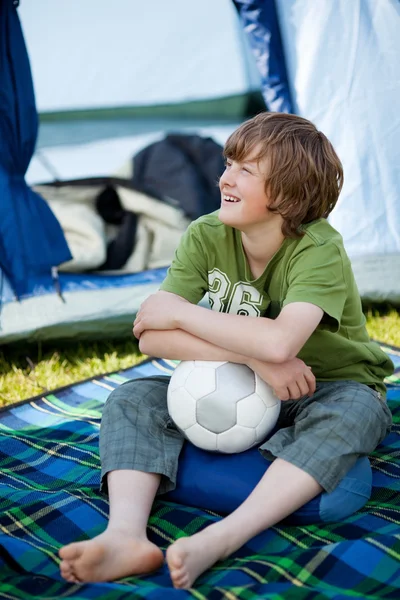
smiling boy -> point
(285, 303)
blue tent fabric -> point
(73, 283)
(31, 239)
(260, 22)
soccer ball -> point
(221, 406)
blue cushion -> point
(220, 482)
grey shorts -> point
(323, 435)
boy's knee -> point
(368, 418)
(357, 415)
(149, 391)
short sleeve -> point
(187, 275)
(316, 275)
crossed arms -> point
(170, 326)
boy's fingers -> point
(303, 386)
(283, 394)
(137, 328)
(294, 391)
(311, 382)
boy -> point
(268, 253)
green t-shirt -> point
(315, 268)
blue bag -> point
(221, 482)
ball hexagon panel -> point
(200, 382)
(265, 392)
(201, 437)
(179, 376)
(216, 412)
(182, 408)
(236, 439)
(250, 411)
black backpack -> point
(182, 170)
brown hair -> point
(305, 174)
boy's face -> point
(244, 202)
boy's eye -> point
(228, 163)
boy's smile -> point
(230, 198)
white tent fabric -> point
(343, 60)
(149, 53)
(343, 64)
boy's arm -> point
(292, 379)
(268, 340)
(177, 344)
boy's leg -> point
(283, 489)
(139, 451)
(342, 421)
(123, 548)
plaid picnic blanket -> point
(49, 497)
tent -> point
(100, 69)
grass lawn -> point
(27, 371)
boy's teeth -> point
(231, 199)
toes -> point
(69, 576)
(179, 578)
(67, 572)
(65, 568)
(185, 584)
(181, 581)
(71, 552)
(178, 571)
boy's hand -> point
(158, 311)
(290, 380)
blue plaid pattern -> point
(50, 474)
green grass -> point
(384, 325)
(27, 371)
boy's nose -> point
(227, 178)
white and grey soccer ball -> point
(221, 406)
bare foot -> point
(111, 555)
(189, 557)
